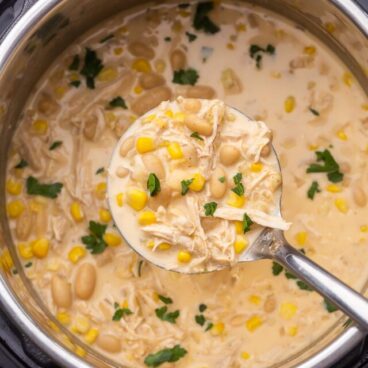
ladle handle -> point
(338, 293)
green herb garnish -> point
(21, 164)
(209, 326)
(34, 187)
(256, 52)
(210, 208)
(196, 136)
(140, 265)
(202, 307)
(276, 268)
(200, 319)
(91, 68)
(185, 76)
(313, 111)
(108, 37)
(185, 186)
(313, 190)
(222, 179)
(329, 306)
(28, 264)
(164, 315)
(239, 187)
(118, 102)
(75, 83)
(167, 355)
(165, 299)
(55, 145)
(201, 20)
(303, 286)
(289, 275)
(247, 222)
(329, 166)
(153, 184)
(100, 170)
(95, 242)
(167, 39)
(75, 63)
(191, 37)
(120, 313)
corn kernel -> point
(301, 237)
(80, 351)
(25, 251)
(169, 114)
(198, 182)
(63, 318)
(15, 208)
(35, 205)
(104, 215)
(239, 227)
(111, 239)
(160, 66)
(145, 144)
(118, 51)
(53, 326)
(341, 205)
(125, 304)
(175, 150)
(141, 65)
(146, 218)
(150, 244)
(256, 167)
(235, 201)
(76, 212)
(81, 324)
(164, 246)
(253, 323)
(13, 187)
(6, 260)
(313, 147)
(310, 50)
(138, 90)
(364, 228)
(76, 254)
(254, 299)
(240, 27)
(245, 355)
(40, 247)
(40, 126)
(240, 244)
(275, 75)
(342, 135)
(292, 331)
(149, 118)
(179, 117)
(155, 297)
(218, 329)
(161, 123)
(230, 46)
(330, 27)
(288, 310)
(120, 199)
(107, 75)
(184, 256)
(137, 199)
(289, 104)
(333, 188)
(60, 91)
(66, 341)
(365, 106)
(91, 336)
(100, 190)
(347, 79)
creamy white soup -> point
(139, 315)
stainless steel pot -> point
(29, 48)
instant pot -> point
(32, 34)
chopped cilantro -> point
(303, 286)
(75, 83)
(200, 319)
(165, 299)
(91, 68)
(100, 170)
(120, 313)
(164, 315)
(329, 166)
(247, 222)
(55, 145)
(202, 307)
(167, 39)
(117, 102)
(276, 268)
(256, 52)
(140, 266)
(313, 190)
(34, 187)
(222, 179)
(167, 355)
(329, 306)
(28, 264)
(209, 326)
(21, 164)
(15, 271)
(313, 111)
(185, 76)
(74, 65)
(210, 208)
(95, 242)
(153, 184)
(191, 37)
(239, 188)
(196, 136)
(289, 275)
(201, 20)
(108, 37)
(185, 186)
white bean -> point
(150, 99)
(218, 183)
(122, 172)
(266, 150)
(269, 304)
(191, 105)
(199, 125)
(109, 343)
(140, 49)
(360, 198)
(85, 281)
(175, 177)
(154, 165)
(23, 225)
(61, 292)
(178, 60)
(190, 154)
(151, 80)
(204, 92)
(90, 127)
(229, 154)
(126, 146)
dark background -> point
(16, 350)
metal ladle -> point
(271, 244)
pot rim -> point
(333, 352)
